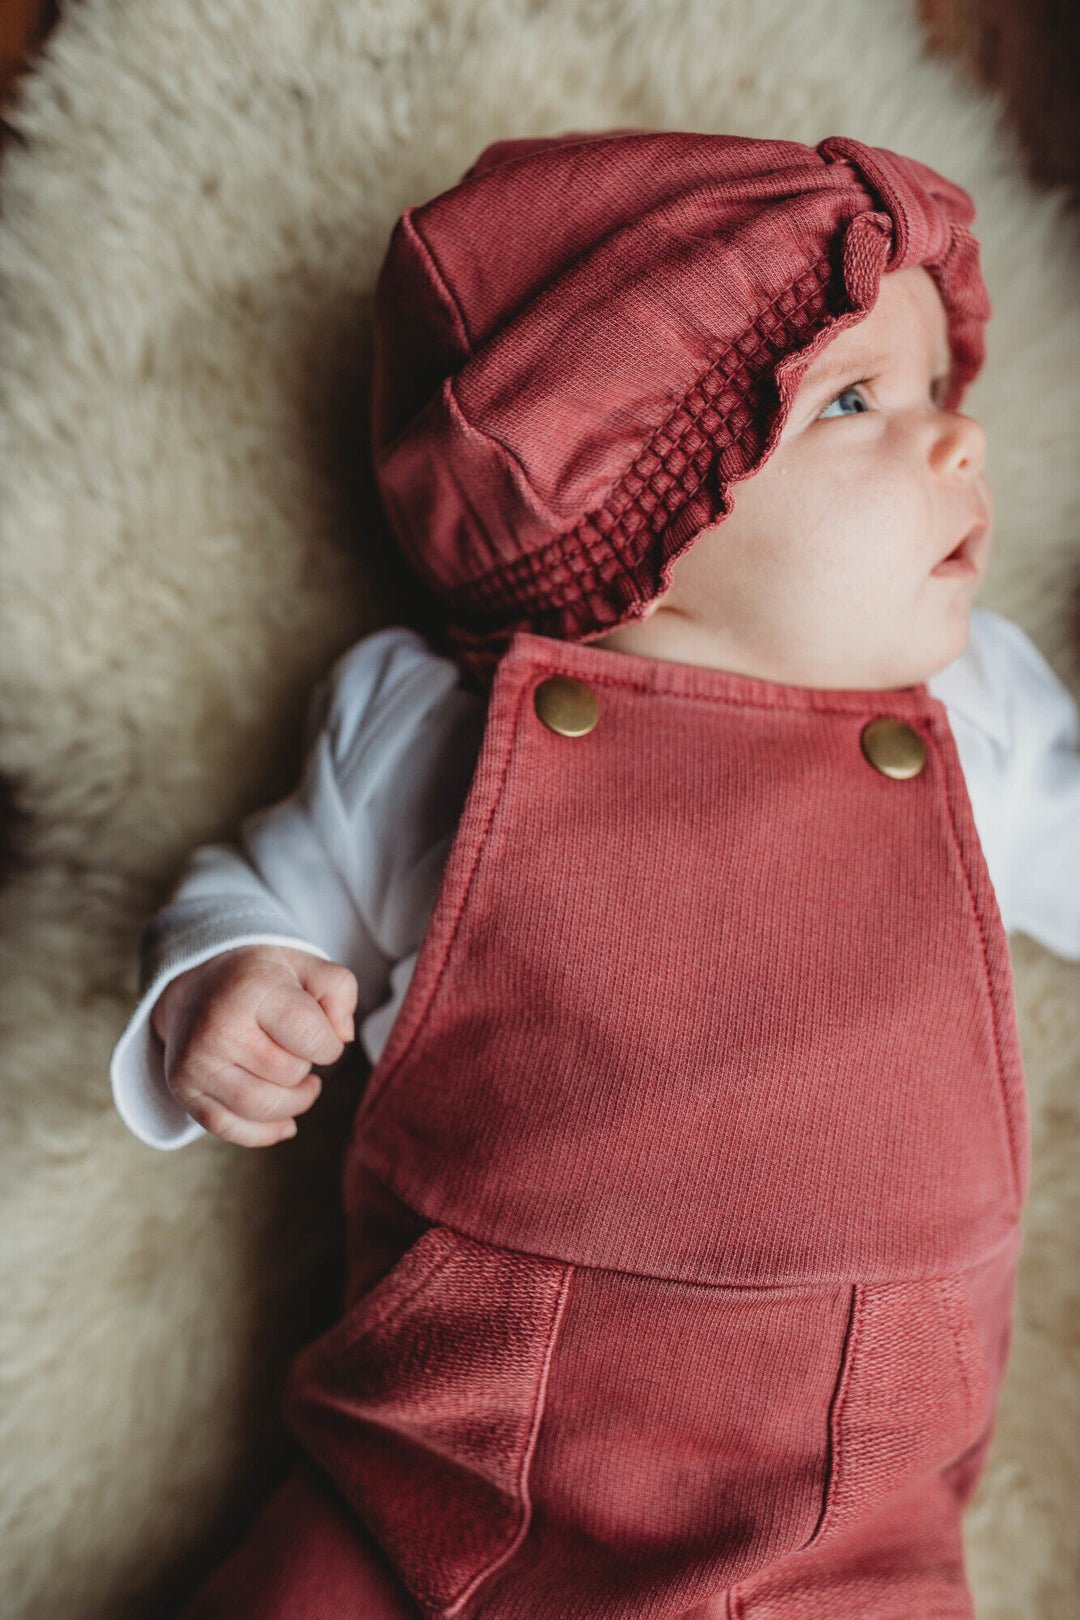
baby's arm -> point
(336, 880)
(1036, 819)
(1045, 806)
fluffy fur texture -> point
(193, 217)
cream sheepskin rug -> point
(194, 209)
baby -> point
(683, 1201)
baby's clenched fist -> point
(241, 1033)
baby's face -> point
(852, 557)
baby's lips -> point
(975, 545)
(969, 555)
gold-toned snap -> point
(566, 705)
(894, 748)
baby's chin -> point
(872, 671)
(884, 662)
(950, 644)
(914, 663)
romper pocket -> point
(423, 1404)
(912, 1397)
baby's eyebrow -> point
(829, 367)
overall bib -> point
(684, 1199)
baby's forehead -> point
(907, 325)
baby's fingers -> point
(244, 1109)
(335, 989)
(244, 1132)
(294, 1020)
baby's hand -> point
(241, 1032)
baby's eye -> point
(848, 402)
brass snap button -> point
(566, 705)
(894, 748)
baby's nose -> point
(960, 445)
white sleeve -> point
(1015, 727)
(345, 867)
(1043, 800)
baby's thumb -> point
(336, 991)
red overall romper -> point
(684, 1199)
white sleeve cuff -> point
(143, 1100)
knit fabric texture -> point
(582, 347)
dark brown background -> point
(1029, 49)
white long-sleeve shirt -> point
(348, 867)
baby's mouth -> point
(965, 560)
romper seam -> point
(525, 1464)
(737, 702)
(369, 1105)
(852, 1338)
(791, 1288)
(960, 1337)
(1010, 1132)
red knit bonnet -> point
(584, 344)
